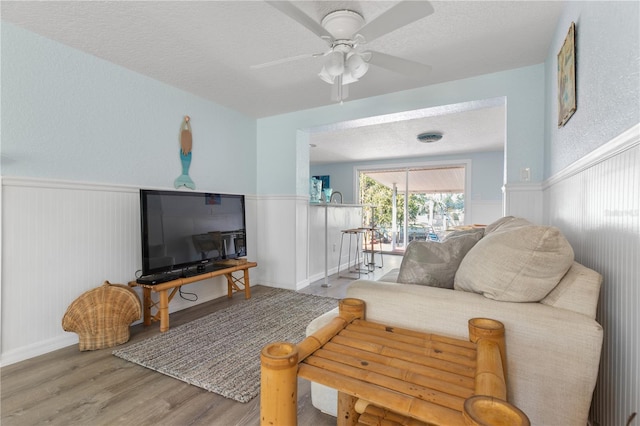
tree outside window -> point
(438, 210)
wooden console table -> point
(162, 305)
(389, 375)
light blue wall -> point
(487, 170)
(523, 89)
(607, 78)
(487, 175)
(341, 177)
(71, 116)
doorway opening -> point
(418, 202)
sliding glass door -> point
(412, 203)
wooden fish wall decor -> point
(186, 142)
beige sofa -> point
(553, 344)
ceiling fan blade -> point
(286, 60)
(302, 18)
(409, 68)
(398, 16)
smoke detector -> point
(429, 137)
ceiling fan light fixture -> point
(429, 137)
(334, 65)
(346, 32)
(324, 76)
(356, 66)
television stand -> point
(228, 267)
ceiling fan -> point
(346, 32)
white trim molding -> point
(526, 199)
(626, 140)
(29, 182)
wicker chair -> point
(101, 317)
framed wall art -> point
(567, 77)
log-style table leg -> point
(347, 414)
(279, 370)
(279, 384)
(147, 303)
(164, 310)
(247, 285)
(233, 284)
(230, 285)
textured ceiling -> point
(468, 127)
(208, 47)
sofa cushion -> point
(516, 264)
(435, 263)
(577, 291)
(457, 233)
(505, 223)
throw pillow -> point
(435, 263)
(519, 264)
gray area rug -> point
(221, 352)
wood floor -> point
(69, 387)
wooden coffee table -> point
(392, 374)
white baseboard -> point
(37, 349)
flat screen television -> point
(186, 231)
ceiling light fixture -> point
(343, 64)
(429, 137)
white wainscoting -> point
(302, 243)
(282, 241)
(61, 239)
(524, 200)
(596, 203)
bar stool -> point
(357, 261)
(371, 262)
